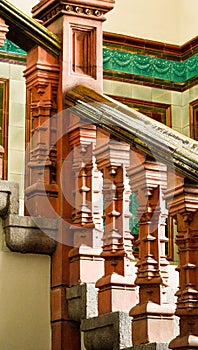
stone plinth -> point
(111, 331)
(82, 301)
(25, 234)
(152, 323)
(86, 264)
(9, 190)
(116, 292)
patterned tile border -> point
(11, 52)
(150, 63)
(151, 82)
(148, 66)
(138, 61)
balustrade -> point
(182, 199)
(153, 316)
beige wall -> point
(25, 300)
(171, 21)
(24, 5)
(24, 279)
(188, 20)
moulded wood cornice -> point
(47, 11)
(177, 52)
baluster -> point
(116, 287)
(182, 199)
(152, 317)
(86, 265)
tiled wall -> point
(179, 101)
(16, 123)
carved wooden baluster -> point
(116, 288)
(81, 156)
(95, 197)
(86, 265)
(148, 181)
(182, 199)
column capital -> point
(146, 173)
(46, 10)
(181, 196)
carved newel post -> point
(153, 316)
(78, 24)
(42, 75)
(182, 198)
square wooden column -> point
(42, 77)
(78, 24)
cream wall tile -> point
(186, 131)
(161, 96)
(176, 98)
(16, 72)
(16, 161)
(107, 86)
(16, 138)
(176, 112)
(193, 93)
(177, 129)
(121, 89)
(141, 92)
(185, 97)
(185, 116)
(19, 178)
(4, 70)
(17, 91)
(17, 114)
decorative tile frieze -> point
(149, 66)
(11, 48)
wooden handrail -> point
(151, 137)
